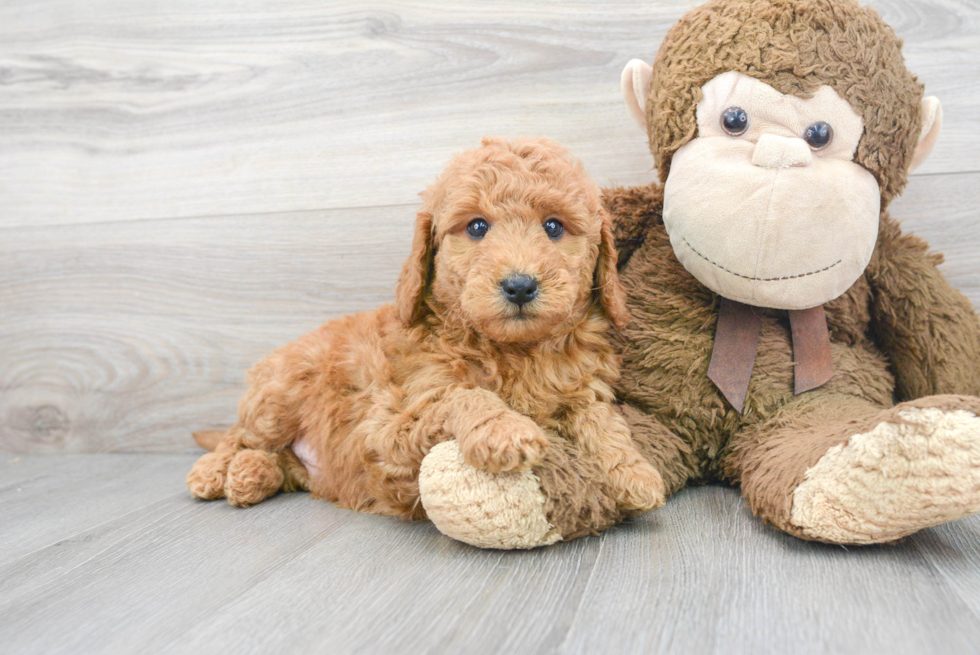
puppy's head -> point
(512, 242)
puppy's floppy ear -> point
(414, 278)
(609, 293)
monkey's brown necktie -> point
(737, 338)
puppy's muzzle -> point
(519, 288)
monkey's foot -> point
(504, 510)
(917, 471)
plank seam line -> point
(198, 217)
(95, 527)
(945, 578)
(585, 592)
(941, 173)
(233, 599)
(149, 219)
(192, 217)
(56, 580)
(458, 615)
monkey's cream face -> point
(766, 206)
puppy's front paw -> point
(640, 487)
(510, 442)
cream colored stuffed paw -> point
(893, 480)
(488, 510)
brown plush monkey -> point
(787, 336)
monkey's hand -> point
(927, 328)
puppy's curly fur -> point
(364, 398)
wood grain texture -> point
(42, 503)
(701, 575)
(116, 111)
(125, 336)
(63, 503)
(718, 581)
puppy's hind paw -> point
(206, 479)
(253, 476)
(510, 442)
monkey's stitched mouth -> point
(758, 279)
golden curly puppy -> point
(497, 339)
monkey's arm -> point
(633, 210)
(928, 329)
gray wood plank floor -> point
(117, 558)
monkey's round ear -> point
(932, 123)
(636, 88)
(414, 278)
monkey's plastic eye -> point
(477, 228)
(553, 228)
(735, 121)
(819, 135)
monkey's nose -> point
(519, 288)
(773, 151)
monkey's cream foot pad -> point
(489, 510)
(894, 480)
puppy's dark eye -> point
(819, 135)
(477, 228)
(553, 228)
(735, 121)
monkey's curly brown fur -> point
(364, 398)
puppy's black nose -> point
(519, 288)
